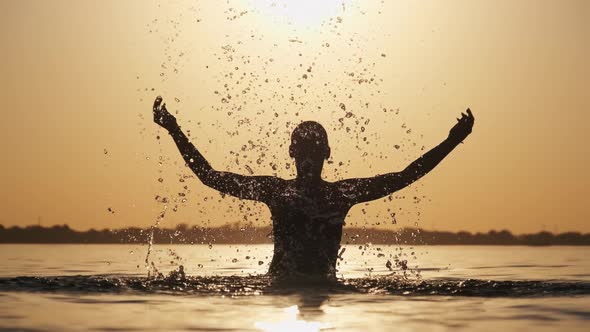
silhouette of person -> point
(307, 212)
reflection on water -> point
(100, 288)
(290, 322)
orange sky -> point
(79, 77)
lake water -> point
(104, 288)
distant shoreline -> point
(247, 234)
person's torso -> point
(307, 228)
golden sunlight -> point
(289, 322)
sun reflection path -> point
(291, 323)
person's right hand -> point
(463, 127)
(162, 116)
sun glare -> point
(290, 323)
(302, 12)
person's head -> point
(309, 147)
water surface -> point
(104, 288)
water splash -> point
(149, 265)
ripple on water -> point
(261, 284)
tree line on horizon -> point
(240, 234)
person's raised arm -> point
(368, 189)
(241, 186)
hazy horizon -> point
(80, 79)
(237, 225)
